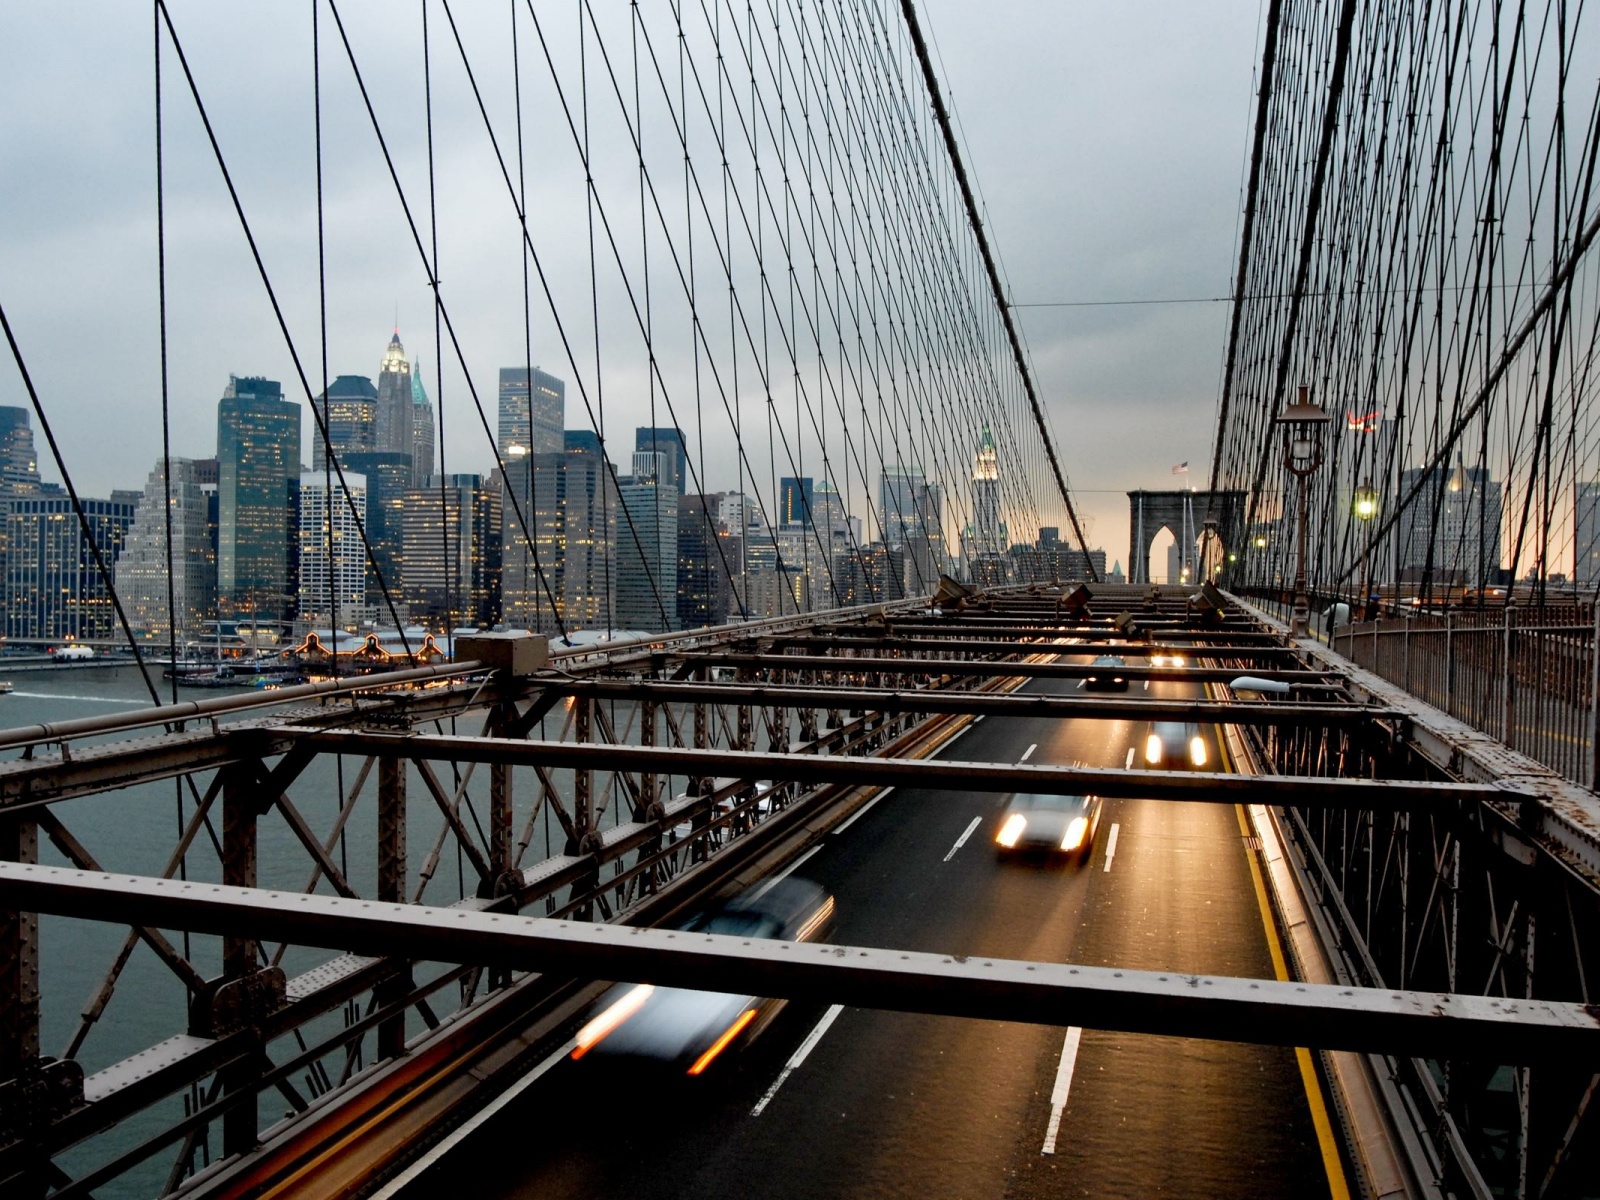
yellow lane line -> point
(1338, 1187)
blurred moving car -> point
(1167, 658)
(1175, 744)
(1049, 825)
(1109, 675)
(688, 1030)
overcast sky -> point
(1108, 141)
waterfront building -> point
(142, 573)
(258, 475)
(333, 562)
(532, 413)
(794, 500)
(911, 518)
(388, 479)
(452, 537)
(53, 586)
(705, 591)
(19, 463)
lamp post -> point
(1365, 508)
(1302, 423)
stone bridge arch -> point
(1184, 512)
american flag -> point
(1180, 468)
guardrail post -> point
(1594, 702)
(1508, 720)
(19, 960)
(392, 888)
(1449, 661)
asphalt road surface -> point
(892, 1105)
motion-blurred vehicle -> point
(1108, 676)
(686, 1030)
(1048, 826)
(1175, 744)
(1167, 658)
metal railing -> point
(1524, 675)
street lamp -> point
(1365, 508)
(1302, 423)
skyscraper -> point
(647, 546)
(531, 417)
(349, 408)
(333, 578)
(910, 510)
(1450, 534)
(141, 571)
(19, 465)
(452, 548)
(985, 541)
(422, 429)
(794, 500)
(668, 442)
(394, 428)
(54, 588)
(388, 477)
(258, 474)
(1586, 535)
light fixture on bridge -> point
(1365, 508)
(1303, 423)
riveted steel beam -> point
(1377, 795)
(1245, 1010)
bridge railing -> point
(1524, 675)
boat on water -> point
(6, 687)
(237, 675)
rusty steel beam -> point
(988, 668)
(1010, 705)
(1257, 1011)
(1375, 795)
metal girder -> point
(939, 774)
(966, 642)
(988, 668)
(941, 701)
(1089, 636)
(1219, 1007)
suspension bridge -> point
(677, 638)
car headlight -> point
(1152, 748)
(1197, 751)
(1011, 830)
(1176, 660)
(1077, 830)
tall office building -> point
(452, 551)
(911, 513)
(388, 479)
(647, 546)
(532, 413)
(19, 464)
(704, 587)
(394, 427)
(988, 531)
(668, 442)
(53, 586)
(1454, 522)
(258, 475)
(349, 410)
(1586, 535)
(141, 573)
(569, 503)
(423, 433)
(333, 562)
(795, 500)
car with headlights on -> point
(1175, 744)
(686, 1030)
(1167, 658)
(1048, 826)
(1109, 674)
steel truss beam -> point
(1378, 795)
(939, 701)
(987, 668)
(1220, 1007)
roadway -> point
(886, 1104)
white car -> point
(1177, 744)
